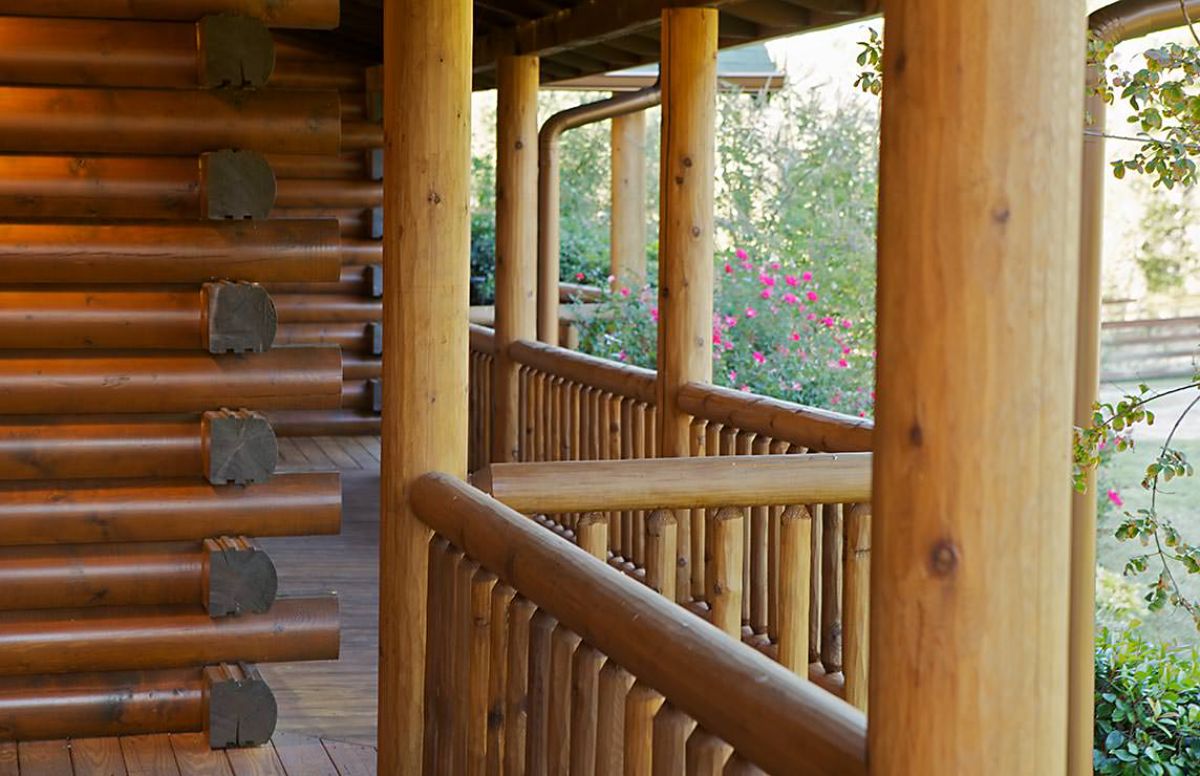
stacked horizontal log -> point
(138, 335)
(348, 310)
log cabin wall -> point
(347, 186)
(173, 196)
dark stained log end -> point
(375, 337)
(241, 318)
(375, 164)
(241, 707)
(375, 386)
(241, 577)
(240, 447)
(374, 278)
(236, 52)
(237, 185)
(376, 214)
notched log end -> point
(237, 185)
(236, 52)
(241, 318)
(241, 707)
(241, 578)
(240, 448)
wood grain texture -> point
(978, 262)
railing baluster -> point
(759, 579)
(856, 603)
(795, 570)
(641, 707)
(725, 564)
(831, 588)
(691, 583)
(516, 717)
(502, 606)
(483, 586)
(591, 533)
(671, 731)
(661, 552)
(585, 698)
(706, 754)
(615, 685)
(814, 583)
(563, 646)
(541, 631)
(745, 446)
(463, 616)
(438, 636)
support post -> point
(628, 235)
(516, 239)
(978, 265)
(1081, 651)
(426, 243)
(685, 271)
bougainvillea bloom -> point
(728, 269)
(792, 280)
(766, 293)
(766, 280)
(843, 363)
(811, 316)
(795, 336)
(759, 357)
(813, 296)
(846, 324)
(654, 314)
(579, 276)
(790, 298)
(741, 254)
(751, 312)
(806, 277)
(625, 292)
(1114, 496)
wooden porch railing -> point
(576, 407)
(479, 416)
(586, 501)
(526, 675)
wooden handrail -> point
(679, 483)
(619, 379)
(483, 339)
(829, 432)
(771, 717)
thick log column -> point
(516, 239)
(628, 233)
(427, 110)
(978, 263)
(685, 270)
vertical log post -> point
(978, 263)
(628, 230)
(685, 274)
(516, 239)
(1081, 651)
(427, 151)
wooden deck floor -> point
(185, 755)
(334, 699)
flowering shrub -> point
(774, 333)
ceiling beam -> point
(592, 21)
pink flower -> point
(730, 321)
(728, 269)
(751, 312)
(747, 264)
(716, 337)
(1115, 497)
(579, 276)
(775, 265)
(846, 324)
(792, 280)
(811, 316)
(795, 336)
(845, 351)
(843, 363)
(790, 298)
(744, 389)
(827, 321)
(625, 292)
(872, 396)
(728, 345)
(766, 293)
(654, 314)
(759, 357)
(812, 296)
(622, 356)
(741, 254)
(732, 375)
(766, 280)
(806, 277)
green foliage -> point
(1119, 603)
(1147, 707)
(1166, 255)
(870, 80)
